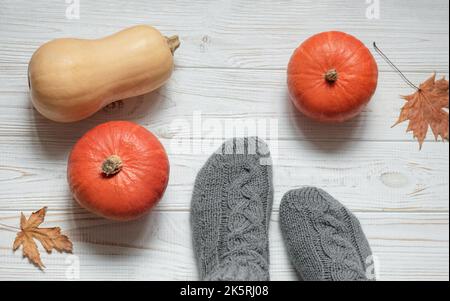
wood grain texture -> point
(240, 97)
(409, 247)
(237, 34)
(366, 176)
(231, 74)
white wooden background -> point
(232, 64)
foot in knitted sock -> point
(325, 240)
(231, 207)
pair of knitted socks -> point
(231, 208)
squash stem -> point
(174, 43)
(112, 165)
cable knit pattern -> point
(325, 241)
(231, 207)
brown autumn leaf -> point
(425, 109)
(50, 238)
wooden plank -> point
(406, 247)
(231, 68)
(240, 97)
(366, 176)
(238, 34)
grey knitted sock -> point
(231, 207)
(325, 240)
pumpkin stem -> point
(112, 165)
(390, 63)
(174, 43)
(331, 76)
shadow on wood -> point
(50, 133)
(325, 137)
(107, 237)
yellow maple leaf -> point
(50, 238)
(425, 109)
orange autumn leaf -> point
(426, 109)
(50, 238)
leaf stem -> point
(403, 76)
(9, 227)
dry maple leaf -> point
(50, 238)
(425, 109)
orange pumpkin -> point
(332, 76)
(118, 170)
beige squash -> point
(71, 79)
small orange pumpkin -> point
(118, 170)
(332, 76)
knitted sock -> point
(325, 240)
(231, 207)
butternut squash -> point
(71, 79)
